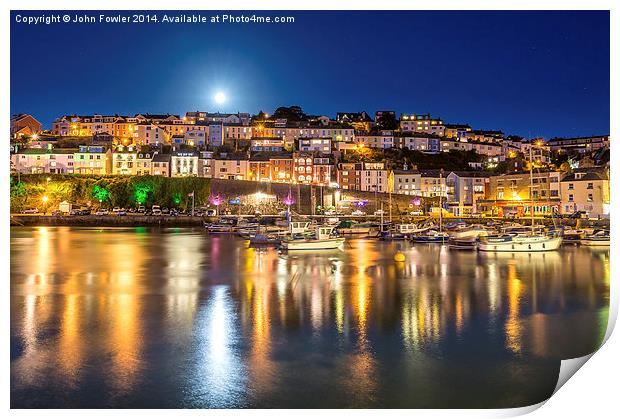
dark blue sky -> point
(528, 73)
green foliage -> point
(396, 158)
(101, 194)
(110, 191)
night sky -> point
(527, 73)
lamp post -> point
(45, 199)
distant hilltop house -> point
(24, 125)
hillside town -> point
(474, 171)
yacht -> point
(323, 239)
(599, 239)
(519, 243)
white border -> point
(593, 393)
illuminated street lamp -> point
(217, 201)
(45, 198)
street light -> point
(45, 199)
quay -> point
(189, 221)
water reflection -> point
(175, 318)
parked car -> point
(165, 210)
(156, 210)
(141, 209)
(30, 211)
(85, 212)
(56, 213)
(75, 212)
(211, 213)
(416, 213)
(102, 212)
(122, 212)
(358, 213)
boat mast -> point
(532, 185)
(440, 198)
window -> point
(571, 187)
(590, 198)
(590, 185)
(570, 198)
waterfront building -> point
(205, 164)
(587, 190)
(382, 141)
(144, 162)
(303, 167)
(486, 148)
(347, 176)
(273, 144)
(373, 176)
(484, 136)
(578, 144)
(73, 125)
(92, 160)
(421, 142)
(103, 124)
(43, 160)
(160, 164)
(239, 118)
(406, 182)
(422, 123)
(464, 190)
(124, 160)
(259, 168)
(196, 136)
(147, 133)
(216, 134)
(322, 169)
(456, 131)
(281, 168)
(509, 194)
(432, 183)
(538, 150)
(24, 125)
(448, 144)
(184, 163)
(234, 167)
(322, 145)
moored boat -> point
(466, 243)
(599, 239)
(322, 240)
(431, 236)
(519, 243)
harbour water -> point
(154, 318)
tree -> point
(292, 113)
(387, 121)
(261, 116)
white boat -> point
(599, 239)
(519, 243)
(465, 243)
(522, 241)
(468, 232)
(323, 240)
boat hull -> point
(325, 244)
(521, 245)
(595, 243)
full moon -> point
(219, 97)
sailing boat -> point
(522, 242)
